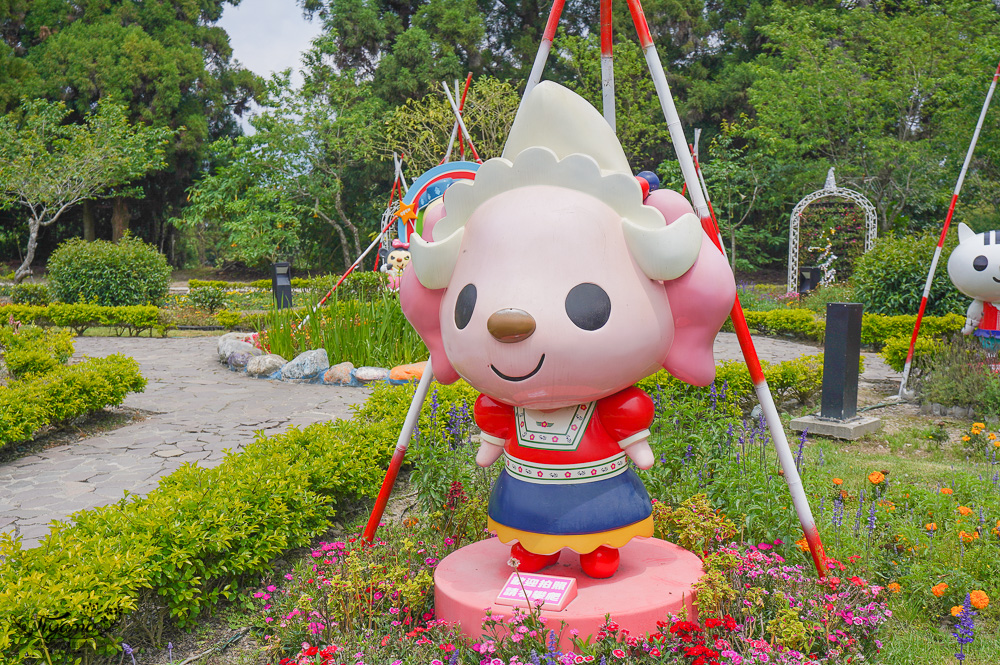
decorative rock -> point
(231, 343)
(265, 365)
(406, 373)
(306, 365)
(339, 374)
(238, 361)
(369, 374)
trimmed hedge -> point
(125, 320)
(876, 329)
(67, 392)
(188, 543)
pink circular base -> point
(655, 579)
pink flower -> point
(618, 653)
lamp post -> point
(281, 284)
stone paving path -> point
(202, 409)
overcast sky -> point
(268, 35)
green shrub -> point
(895, 350)
(890, 278)
(127, 273)
(959, 373)
(211, 298)
(131, 320)
(33, 351)
(30, 294)
(65, 392)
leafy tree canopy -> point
(47, 165)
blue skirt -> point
(569, 509)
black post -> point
(809, 277)
(281, 284)
(841, 357)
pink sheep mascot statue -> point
(551, 286)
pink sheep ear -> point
(700, 301)
(422, 308)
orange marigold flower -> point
(965, 511)
(803, 545)
(838, 481)
(979, 599)
(968, 537)
(996, 444)
(965, 437)
(938, 590)
(931, 526)
(894, 587)
(947, 490)
(992, 436)
(875, 477)
(956, 610)
(979, 425)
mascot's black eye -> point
(588, 306)
(465, 305)
(980, 263)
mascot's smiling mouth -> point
(519, 378)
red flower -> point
(311, 651)
(713, 623)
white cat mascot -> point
(974, 269)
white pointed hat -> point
(557, 118)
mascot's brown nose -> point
(510, 325)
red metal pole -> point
(698, 200)
(545, 46)
(402, 443)
(607, 65)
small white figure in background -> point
(974, 269)
(395, 262)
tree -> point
(294, 170)
(882, 96)
(164, 60)
(420, 129)
(48, 166)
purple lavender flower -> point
(964, 631)
(170, 652)
(838, 512)
(128, 651)
(798, 453)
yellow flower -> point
(979, 425)
(979, 599)
(992, 436)
(965, 437)
(938, 590)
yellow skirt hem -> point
(547, 543)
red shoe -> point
(529, 562)
(601, 563)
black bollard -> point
(841, 357)
(281, 284)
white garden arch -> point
(830, 190)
